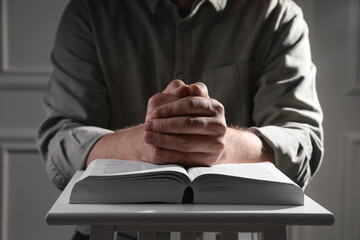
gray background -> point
(27, 29)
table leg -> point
(188, 235)
(146, 235)
(209, 236)
(102, 232)
(275, 232)
(175, 236)
(230, 236)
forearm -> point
(124, 144)
(298, 149)
(244, 146)
(129, 143)
(64, 147)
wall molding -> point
(16, 79)
(4, 35)
(24, 81)
(5, 66)
(17, 135)
(11, 141)
(351, 192)
(353, 48)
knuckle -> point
(155, 99)
(219, 144)
(193, 103)
(186, 144)
(191, 123)
(219, 127)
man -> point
(247, 92)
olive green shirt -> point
(111, 56)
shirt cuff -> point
(292, 150)
(71, 153)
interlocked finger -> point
(198, 106)
(185, 142)
(199, 89)
(188, 125)
(177, 88)
(184, 158)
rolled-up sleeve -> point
(287, 112)
(75, 102)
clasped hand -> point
(185, 126)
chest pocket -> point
(234, 87)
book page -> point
(114, 167)
(264, 171)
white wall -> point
(27, 29)
(335, 37)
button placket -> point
(182, 45)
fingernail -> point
(158, 152)
(149, 126)
(149, 137)
(220, 109)
(158, 113)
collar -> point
(219, 5)
(152, 5)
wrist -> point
(124, 144)
(267, 153)
(244, 146)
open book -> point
(118, 181)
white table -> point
(105, 219)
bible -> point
(120, 181)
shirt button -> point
(59, 182)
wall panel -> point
(28, 30)
(351, 190)
(25, 192)
(27, 33)
(20, 109)
(354, 47)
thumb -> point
(177, 88)
(199, 89)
